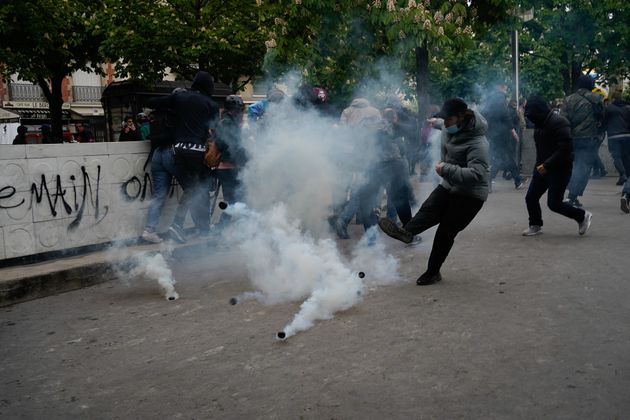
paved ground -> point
(519, 328)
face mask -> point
(452, 129)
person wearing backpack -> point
(584, 110)
(192, 114)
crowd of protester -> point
(459, 148)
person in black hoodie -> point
(554, 163)
(233, 155)
(617, 125)
(194, 114)
(21, 135)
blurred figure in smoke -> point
(309, 97)
(257, 110)
(584, 110)
(554, 161)
(363, 120)
(194, 114)
(502, 136)
(617, 126)
(599, 170)
(233, 155)
(464, 188)
(406, 127)
(389, 170)
(426, 151)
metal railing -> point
(90, 94)
(26, 92)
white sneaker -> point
(151, 237)
(533, 230)
(586, 223)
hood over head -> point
(537, 110)
(360, 103)
(585, 82)
(204, 83)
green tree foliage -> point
(225, 38)
(591, 36)
(46, 40)
(339, 44)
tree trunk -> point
(55, 104)
(422, 79)
(566, 73)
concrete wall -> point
(60, 196)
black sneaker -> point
(176, 233)
(624, 204)
(392, 230)
(428, 278)
(621, 180)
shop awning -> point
(8, 116)
(88, 111)
(37, 114)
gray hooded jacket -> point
(465, 155)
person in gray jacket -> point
(584, 110)
(464, 188)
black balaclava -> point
(537, 110)
(204, 83)
(585, 82)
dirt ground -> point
(519, 328)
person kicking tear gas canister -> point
(463, 190)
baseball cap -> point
(452, 107)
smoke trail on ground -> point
(149, 265)
(284, 264)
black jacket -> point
(617, 118)
(228, 140)
(193, 111)
(554, 145)
(498, 117)
(131, 135)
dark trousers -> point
(554, 184)
(197, 182)
(505, 159)
(232, 190)
(585, 150)
(393, 175)
(614, 147)
(452, 213)
(625, 157)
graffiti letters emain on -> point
(76, 201)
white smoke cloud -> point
(144, 264)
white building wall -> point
(78, 205)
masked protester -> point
(464, 188)
(233, 155)
(554, 162)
